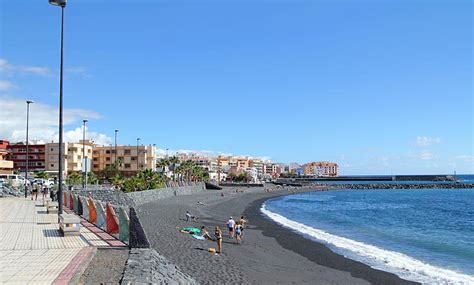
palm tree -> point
(42, 175)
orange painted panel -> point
(112, 221)
(71, 200)
(92, 212)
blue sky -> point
(378, 86)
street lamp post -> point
(62, 4)
(84, 156)
(138, 165)
(27, 150)
(115, 149)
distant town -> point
(86, 156)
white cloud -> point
(76, 135)
(466, 158)
(426, 155)
(43, 121)
(6, 85)
(206, 153)
(6, 67)
(426, 141)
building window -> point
(95, 159)
(107, 159)
(52, 165)
(107, 151)
(134, 158)
(127, 151)
(96, 166)
(127, 165)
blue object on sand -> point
(198, 237)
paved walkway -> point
(32, 251)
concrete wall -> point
(146, 196)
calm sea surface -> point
(422, 235)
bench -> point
(52, 207)
(69, 224)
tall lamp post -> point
(138, 165)
(115, 149)
(27, 150)
(62, 4)
(84, 156)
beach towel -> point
(198, 237)
(193, 231)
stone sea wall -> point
(133, 199)
(142, 197)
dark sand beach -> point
(269, 253)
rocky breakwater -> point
(408, 186)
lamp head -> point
(29, 101)
(116, 130)
(85, 121)
(60, 3)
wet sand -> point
(269, 253)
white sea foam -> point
(404, 266)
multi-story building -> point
(36, 156)
(222, 162)
(6, 166)
(130, 159)
(321, 168)
(73, 160)
(272, 169)
(206, 162)
(258, 164)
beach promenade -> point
(32, 250)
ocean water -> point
(420, 235)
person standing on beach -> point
(238, 232)
(242, 222)
(218, 236)
(231, 226)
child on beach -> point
(189, 216)
(231, 226)
(218, 235)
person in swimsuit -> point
(218, 235)
(205, 233)
(242, 222)
(238, 232)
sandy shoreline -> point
(269, 253)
